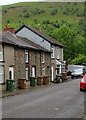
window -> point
(52, 54)
(1, 53)
(1, 74)
(27, 73)
(42, 57)
(26, 55)
(58, 53)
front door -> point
(11, 73)
(34, 71)
(52, 72)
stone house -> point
(21, 58)
(45, 41)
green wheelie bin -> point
(58, 78)
(10, 85)
(33, 81)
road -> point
(62, 100)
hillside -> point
(62, 21)
(41, 12)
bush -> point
(80, 60)
(24, 10)
(8, 21)
(54, 12)
(5, 11)
(38, 11)
(46, 22)
(26, 15)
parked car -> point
(83, 83)
(77, 73)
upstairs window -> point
(26, 56)
(43, 58)
(52, 54)
(1, 53)
(1, 74)
(58, 53)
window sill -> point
(2, 61)
(2, 83)
(58, 58)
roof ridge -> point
(43, 35)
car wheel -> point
(72, 77)
(80, 89)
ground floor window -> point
(1, 74)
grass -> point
(14, 14)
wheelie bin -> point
(10, 85)
(40, 80)
(22, 83)
(58, 78)
(64, 76)
(33, 81)
(45, 80)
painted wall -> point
(9, 61)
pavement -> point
(19, 91)
(53, 101)
(29, 88)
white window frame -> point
(2, 74)
(58, 53)
(26, 72)
(26, 56)
(43, 60)
(62, 54)
(52, 54)
(1, 53)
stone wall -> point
(34, 60)
(19, 68)
(47, 63)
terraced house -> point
(45, 41)
(21, 58)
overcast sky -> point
(6, 2)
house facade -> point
(21, 58)
(38, 37)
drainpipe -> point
(60, 69)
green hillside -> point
(41, 12)
(62, 21)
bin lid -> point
(33, 77)
(11, 80)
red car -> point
(83, 83)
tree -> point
(68, 37)
(80, 60)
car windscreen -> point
(78, 70)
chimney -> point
(39, 27)
(8, 28)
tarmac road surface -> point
(62, 100)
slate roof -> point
(33, 44)
(13, 39)
(41, 34)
